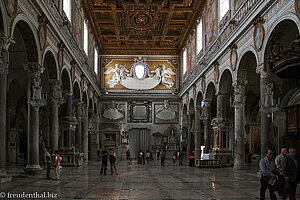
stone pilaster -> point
(56, 101)
(4, 61)
(239, 130)
(36, 101)
(265, 132)
(207, 127)
(85, 134)
(197, 132)
(189, 144)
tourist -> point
(48, 160)
(279, 162)
(112, 160)
(128, 154)
(268, 177)
(174, 158)
(57, 165)
(291, 174)
(140, 157)
(180, 158)
(104, 155)
(148, 156)
(151, 155)
(162, 158)
(157, 154)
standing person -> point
(48, 160)
(157, 154)
(148, 156)
(162, 158)
(143, 157)
(57, 165)
(112, 160)
(128, 154)
(267, 169)
(291, 174)
(180, 158)
(174, 158)
(151, 155)
(279, 162)
(104, 155)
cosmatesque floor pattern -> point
(139, 182)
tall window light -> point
(67, 8)
(184, 61)
(224, 7)
(85, 38)
(199, 37)
(96, 61)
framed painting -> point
(258, 36)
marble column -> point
(265, 132)
(4, 61)
(221, 113)
(189, 144)
(207, 120)
(85, 134)
(239, 126)
(79, 127)
(56, 100)
(36, 101)
(197, 132)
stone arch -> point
(65, 80)
(50, 62)
(84, 98)
(199, 99)
(225, 80)
(191, 105)
(245, 52)
(247, 60)
(290, 17)
(29, 36)
(210, 90)
(76, 91)
(91, 103)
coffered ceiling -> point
(143, 27)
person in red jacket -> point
(57, 160)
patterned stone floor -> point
(139, 182)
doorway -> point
(138, 140)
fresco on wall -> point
(191, 53)
(210, 25)
(158, 75)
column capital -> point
(260, 69)
(5, 41)
(239, 92)
(35, 70)
(57, 93)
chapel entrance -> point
(139, 139)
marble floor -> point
(139, 182)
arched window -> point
(96, 61)
(67, 8)
(184, 61)
(85, 38)
(224, 7)
(199, 37)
